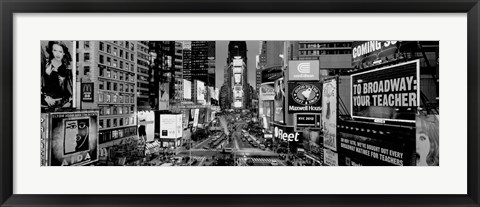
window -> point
(121, 121)
(115, 51)
(101, 111)
(107, 109)
(86, 56)
(114, 122)
(76, 57)
(100, 71)
(132, 67)
(121, 64)
(121, 53)
(100, 97)
(109, 49)
(109, 86)
(127, 66)
(131, 79)
(131, 111)
(125, 110)
(131, 120)
(101, 59)
(126, 87)
(121, 77)
(126, 97)
(131, 57)
(115, 62)
(126, 76)
(115, 75)
(120, 112)
(108, 122)
(131, 99)
(100, 123)
(114, 110)
(109, 61)
(101, 46)
(126, 120)
(120, 99)
(114, 98)
(86, 70)
(115, 86)
(100, 85)
(131, 88)
(120, 87)
(108, 99)
(127, 44)
(86, 44)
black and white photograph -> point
(236, 103)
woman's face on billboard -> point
(58, 52)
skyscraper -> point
(142, 76)
(203, 59)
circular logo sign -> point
(307, 94)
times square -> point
(216, 103)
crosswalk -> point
(261, 160)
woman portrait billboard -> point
(57, 79)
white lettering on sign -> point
(370, 46)
(289, 137)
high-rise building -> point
(178, 63)
(203, 59)
(187, 60)
(162, 72)
(143, 58)
(110, 66)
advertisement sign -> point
(238, 78)
(58, 85)
(146, 125)
(330, 157)
(171, 126)
(164, 93)
(237, 62)
(87, 92)
(267, 92)
(308, 120)
(237, 70)
(304, 97)
(279, 100)
(44, 134)
(427, 140)
(370, 51)
(185, 117)
(389, 93)
(329, 114)
(201, 91)
(237, 104)
(287, 134)
(187, 89)
(195, 117)
(271, 74)
(217, 94)
(74, 138)
(303, 70)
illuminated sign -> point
(304, 70)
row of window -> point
(117, 51)
(116, 110)
(109, 135)
(325, 45)
(114, 122)
(116, 87)
(113, 98)
(115, 63)
(108, 73)
(324, 52)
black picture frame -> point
(10, 7)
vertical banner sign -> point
(279, 100)
(74, 138)
(44, 132)
(330, 157)
(329, 115)
(87, 92)
(195, 117)
(58, 85)
(427, 140)
(389, 93)
(164, 93)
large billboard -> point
(187, 89)
(146, 125)
(73, 138)
(237, 62)
(279, 86)
(171, 126)
(58, 85)
(303, 70)
(304, 97)
(238, 78)
(329, 115)
(388, 93)
(267, 92)
(164, 94)
(201, 92)
(367, 52)
(237, 70)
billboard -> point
(287, 134)
(238, 78)
(164, 96)
(267, 92)
(195, 117)
(201, 91)
(87, 92)
(237, 104)
(388, 93)
(187, 89)
(303, 70)
(330, 157)
(329, 115)
(217, 94)
(371, 51)
(308, 120)
(146, 125)
(279, 100)
(271, 74)
(58, 85)
(237, 62)
(171, 126)
(427, 140)
(73, 138)
(304, 97)
(237, 70)
(185, 118)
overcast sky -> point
(221, 53)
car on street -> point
(274, 163)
